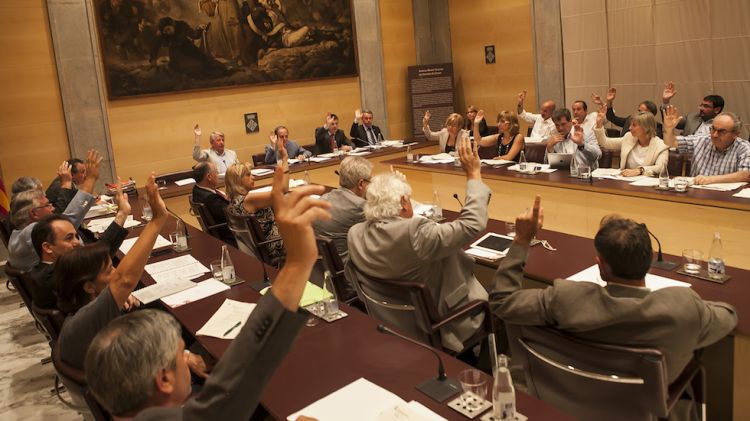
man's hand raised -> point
(528, 223)
(469, 156)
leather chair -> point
(492, 129)
(21, 282)
(409, 307)
(241, 232)
(74, 381)
(606, 159)
(332, 262)
(676, 163)
(5, 230)
(251, 237)
(594, 381)
(487, 152)
(259, 159)
(50, 319)
(205, 219)
(535, 152)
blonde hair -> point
(647, 122)
(454, 120)
(233, 179)
(510, 117)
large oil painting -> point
(161, 46)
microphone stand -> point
(439, 388)
(455, 196)
(660, 263)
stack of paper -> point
(392, 142)
(614, 174)
(744, 193)
(185, 181)
(650, 182)
(98, 226)
(653, 282)
(319, 158)
(484, 254)
(441, 158)
(719, 186)
(365, 401)
(496, 161)
(99, 210)
(162, 289)
(228, 320)
(183, 267)
(128, 244)
(201, 290)
(260, 172)
(362, 153)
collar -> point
(621, 290)
(206, 188)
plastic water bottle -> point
(227, 268)
(409, 155)
(332, 303)
(664, 179)
(522, 161)
(573, 166)
(437, 210)
(716, 266)
(306, 178)
(503, 392)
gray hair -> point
(215, 134)
(21, 206)
(353, 169)
(23, 184)
(125, 357)
(384, 196)
(736, 122)
(647, 122)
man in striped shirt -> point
(721, 157)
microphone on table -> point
(455, 196)
(660, 263)
(440, 388)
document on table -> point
(185, 181)
(497, 161)
(320, 158)
(650, 182)
(292, 184)
(187, 263)
(100, 225)
(441, 158)
(362, 153)
(653, 282)
(539, 168)
(744, 193)
(201, 290)
(484, 254)
(614, 174)
(392, 143)
(228, 320)
(311, 294)
(99, 210)
(719, 186)
(365, 401)
(259, 172)
(163, 289)
(128, 244)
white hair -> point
(384, 196)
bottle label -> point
(228, 273)
(716, 267)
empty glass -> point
(693, 260)
(216, 270)
(584, 171)
(474, 384)
(680, 184)
(179, 241)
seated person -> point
(624, 312)
(543, 126)
(392, 244)
(92, 292)
(363, 132)
(281, 135)
(239, 183)
(78, 174)
(221, 157)
(157, 386)
(347, 203)
(721, 157)
(28, 207)
(448, 137)
(641, 151)
(570, 137)
(25, 183)
(695, 123)
(624, 122)
(509, 142)
(330, 137)
(471, 113)
(205, 191)
(54, 236)
(579, 109)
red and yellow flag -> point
(4, 200)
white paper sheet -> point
(483, 254)
(363, 153)
(98, 226)
(719, 186)
(185, 181)
(653, 282)
(195, 270)
(99, 210)
(259, 172)
(412, 411)
(614, 174)
(744, 193)
(128, 244)
(226, 318)
(544, 168)
(202, 290)
(292, 184)
(392, 143)
(497, 161)
(529, 139)
(360, 400)
(162, 289)
(174, 263)
(320, 158)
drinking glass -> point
(511, 227)
(146, 213)
(216, 270)
(474, 384)
(179, 241)
(693, 260)
(680, 184)
(584, 171)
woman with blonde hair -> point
(509, 141)
(239, 183)
(448, 136)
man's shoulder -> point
(159, 413)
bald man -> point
(543, 124)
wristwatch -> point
(642, 170)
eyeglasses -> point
(48, 205)
(366, 179)
(719, 132)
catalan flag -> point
(4, 200)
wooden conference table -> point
(324, 357)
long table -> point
(325, 357)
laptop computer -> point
(559, 160)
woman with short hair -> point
(449, 135)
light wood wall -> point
(33, 140)
(397, 28)
(506, 25)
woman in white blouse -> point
(641, 151)
(448, 135)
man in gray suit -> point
(392, 244)
(31, 206)
(624, 312)
(157, 386)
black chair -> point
(50, 319)
(409, 307)
(21, 282)
(594, 381)
(206, 220)
(250, 237)
(606, 159)
(534, 152)
(676, 163)
(238, 227)
(259, 159)
(74, 381)
(332, 261)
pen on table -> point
(232, 328)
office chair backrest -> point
(74, 381)
(588, 380)
(535, 152)
(21, 282)
(332, 261)
(676, 164)
(205, 219)
(238, 226)
(50, 319)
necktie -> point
(333, 142)
(370, 136)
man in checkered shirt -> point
(721, 157)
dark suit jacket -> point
(322, 140)
(483, 129)
(359, 136)
(215, 204)
(58, 196)
(689, 124)
(234, 387)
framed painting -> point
(164, 46)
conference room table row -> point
(325, 357)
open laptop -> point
(559, 160)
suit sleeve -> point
(62, 199)
(616, 120)
(216, 206)
(113, 237)
(344, 141)
(435, 241)
(270, 157)
(321, 143)
(354, 131)
(199, 155)
(608, 143)
(77, 208)
(717, 320)
(236, 384)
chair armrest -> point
(469, 309)
(269, 241)
(686, 378)
(220, 225)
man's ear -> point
(89, 288)
(47, 248)
(165, 381)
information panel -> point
(431, 88)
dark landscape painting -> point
(160, 46)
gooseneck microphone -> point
(660, 263)
(455, 196)
(440, 388)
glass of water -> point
(584, 171)
(146, 213)
(216, 271)
(693, 260)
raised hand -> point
(158, 208)
(66, 178)
(93, 164)
(671, 118)
(329, 119)
(357, 115)
(283, 156)
(668, 92)
(197, 130)
(398, 173)
(611, 94)
(426, 118)
(469, 156)
(577, 136)
(123, 205)
(521, 97)
(601, 116)
(529, 222)
(596, 99)
(479, 117)
(273, 139)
